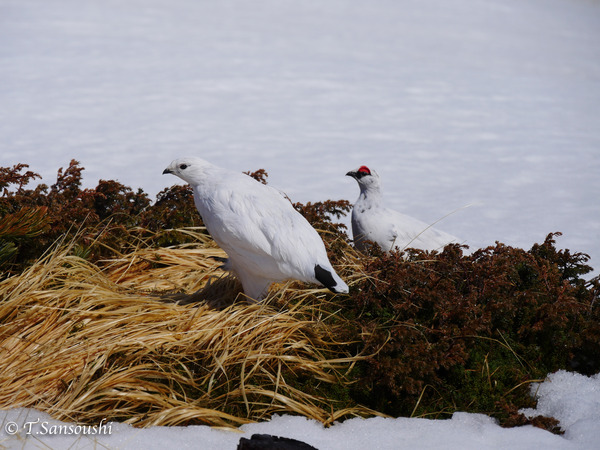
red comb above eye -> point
(364, 169)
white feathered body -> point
(259, 229)
(389, 229)
(265, 238)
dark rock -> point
(268, 442)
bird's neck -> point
(371, 196)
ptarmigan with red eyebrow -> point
(265, 238)
(389, 229)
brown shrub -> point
(468, 332)
(444, 331)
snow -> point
(571, 398)
(490, 103)
(579, 414)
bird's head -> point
(367, 179)
(188, 169)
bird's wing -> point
(250, 218)
(411, 232)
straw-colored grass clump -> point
(85, 342)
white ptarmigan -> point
(265, 238)
(387, 228)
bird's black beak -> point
(351, 174)
(167, 171)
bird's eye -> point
(183, 166)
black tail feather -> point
(325, 278)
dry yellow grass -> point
(86, 342)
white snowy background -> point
(489, 103)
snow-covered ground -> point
(494, 103)
(571, 398)
(490, 103)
